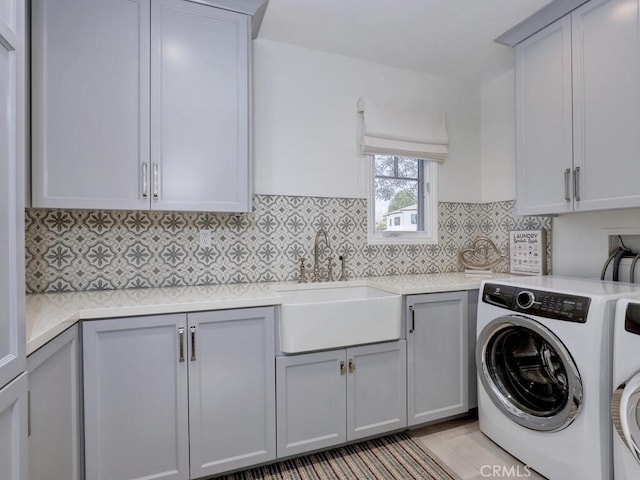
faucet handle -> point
(302, 275)
(343, 272)
(330, 269)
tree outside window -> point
(401, 205)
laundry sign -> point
(528, 252)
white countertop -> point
(49, 314)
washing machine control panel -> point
(559, 306)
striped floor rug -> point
(393, 457)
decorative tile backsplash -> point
(73, 250)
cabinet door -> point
(473, 323)
(376, 389)
(90, 103)
(200, 107)
(13, 427)
(437, 356)
(12, 324)
(231, 389)
(543, 121)
(311, 401)
(54, 437)
(606, 92)
(135, 398)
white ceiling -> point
(453, 38)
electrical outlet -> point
(205, 238)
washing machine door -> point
(528, 373)
(625, 413)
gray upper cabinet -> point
(90, 69)
(437, 356)
(544, 161)
(13, 382)
(330, 397)
(140, 104)
(578, 111)
(54, 393)
(12, 147)
(606, 103)
(179, 396)
(199, 107)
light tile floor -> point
(469, 453)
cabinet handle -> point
(145, 180)
(28, 413)
(352, 365)
(156, 187)
(343, 368)
(567, 172)
(413, 319)
(576, 191)
(193, 343)
(181, 341)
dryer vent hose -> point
(615, 257)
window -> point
(402, 203)
(404, 143)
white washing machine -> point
(544, 359)
(625, 402)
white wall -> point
(580, 240)
(498, 139)
(305, 122)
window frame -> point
(429, 207)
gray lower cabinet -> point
(231, 390)
(54, 399)
(330, 397)
(13, 427)
(471, 349)
(135, 398)
(376, 389)
(178, 396)
(437, 356)
(311, 401)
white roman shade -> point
(400, 130)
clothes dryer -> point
(625, 402)
(544, 356)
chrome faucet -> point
(316, 266)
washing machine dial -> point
(525, 299)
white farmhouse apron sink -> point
(322, 317)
